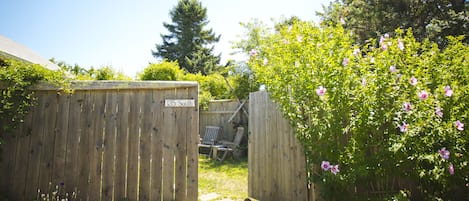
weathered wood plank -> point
(145, 144)
(86, 144)
(122, 145)
(18, 185)
(156, 146)
(132, 170)
(71, 158)
(8, 153)
(48, 137)
(181, 132)
(35, 149)
(95, 185)
(108, 173)
(168, 132)
(192, 148)
(61, 133)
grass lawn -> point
(229, 180)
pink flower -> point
(400, 45)
(363, 81)
(448, 91)
(459, 125)
(325, 165)
(451, 169)
(253, 52)
(384, 46)
(345, 61)
(321, 91)
(407, 106)
(392, 68)
(404, 127)
(423, 95)
(413, 81)
(335, 169)
(444, 153)
(356, 52)
(299, 38)
(438, 111)
(266, 61)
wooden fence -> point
(277, 168)
(218, 114)
(107, 141)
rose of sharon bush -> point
(365, 121)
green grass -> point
(228, 179)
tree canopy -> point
(429, 19)
(188, 41)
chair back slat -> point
(211, 135)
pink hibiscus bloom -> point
(413, 81)
(400, 44)
(325, 165)
(448, 91)
(363, 81)
(404, 127)
(392, 68)
(253, 52)
(407, 106)
(345, 61)
(423, 95)
(321, 91)
(444, 153)
(451, 169)
(335, 169)
(439, 112)
(459, 125)
(356, 52)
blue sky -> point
(122, 33)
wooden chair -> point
(210, 138)
(228, 147)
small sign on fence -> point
(179, 103)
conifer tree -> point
(188, 41)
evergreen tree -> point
(188, 42)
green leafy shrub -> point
(162, 71)
(15, 80)
(374, 119)
(211, 87)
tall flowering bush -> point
(386, 116)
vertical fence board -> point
(181, 115)
(96, 137)
(109, 138)
(192, 148)
(85, 144)
(22, 159)
(61, 133)
(122, 145)
(8, 156)
(71, 158)
(46, 167)
(35, 149)
(145, 146)
(156, 146)
(132, 170)
(168, 149)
